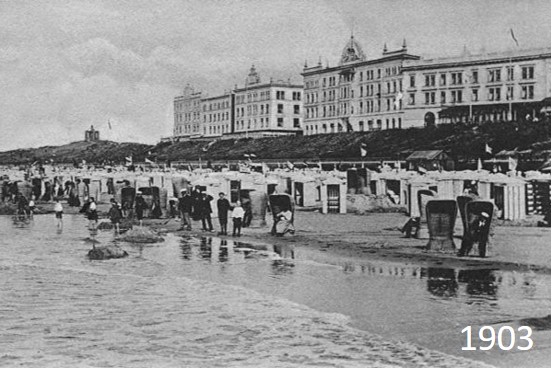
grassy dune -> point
(461, 142)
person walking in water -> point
(237, 216)
(139, 205)
(115, 215)
(223, 207)
(58, 210)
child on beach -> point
(32, 207)
(237, 216)
(92, 215)
(58, 209)
(115, 214)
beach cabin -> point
(508, 194)
(334, 199)
(306, 191)
(537, 193)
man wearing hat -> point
(477, 233)
(223, 207)
(185, 203)
(140, 205)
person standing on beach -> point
(115, 215)
(32, 206)
(185, 203)
(92, 214)
(237, 216)
(139, 205)
(206, 212)
(58, 210)
(223, 207)
(22, 205)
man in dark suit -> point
(185, 203)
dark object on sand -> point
(281, 205)
(479, 218)
(140, 234)
(412, 224)
(440, 216)
(106, 252)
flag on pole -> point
(487, 149)
(513, 37)
(512, 164)
(363, 151)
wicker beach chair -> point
(441, 215)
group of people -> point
(196, 205)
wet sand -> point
(375, 237)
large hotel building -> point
(257, 109)
(394, 91)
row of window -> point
(213, 117)
(215, 106)
(492, 94)
(264, 123)
(216, 129)
(388, 123)
(254, 110)
(456, 78)
(182, 117)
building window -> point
(494, 94)
(509, 93)
(456, 96)
(280, 122)
(296, 122)
(509, 72)
(429, 98)
(475, 95)
(527, 72)
(475, 77)
(297, 109)
(280, 95)
(412, 81)
(442, 97)
(296, 96)
(443, 79)
(494, 75)
(279, 108)
(429, 80)
(527, 92)
(411, 99)
(361, 126)
(456, 79)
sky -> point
(68, 64)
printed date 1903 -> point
(506, 338)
